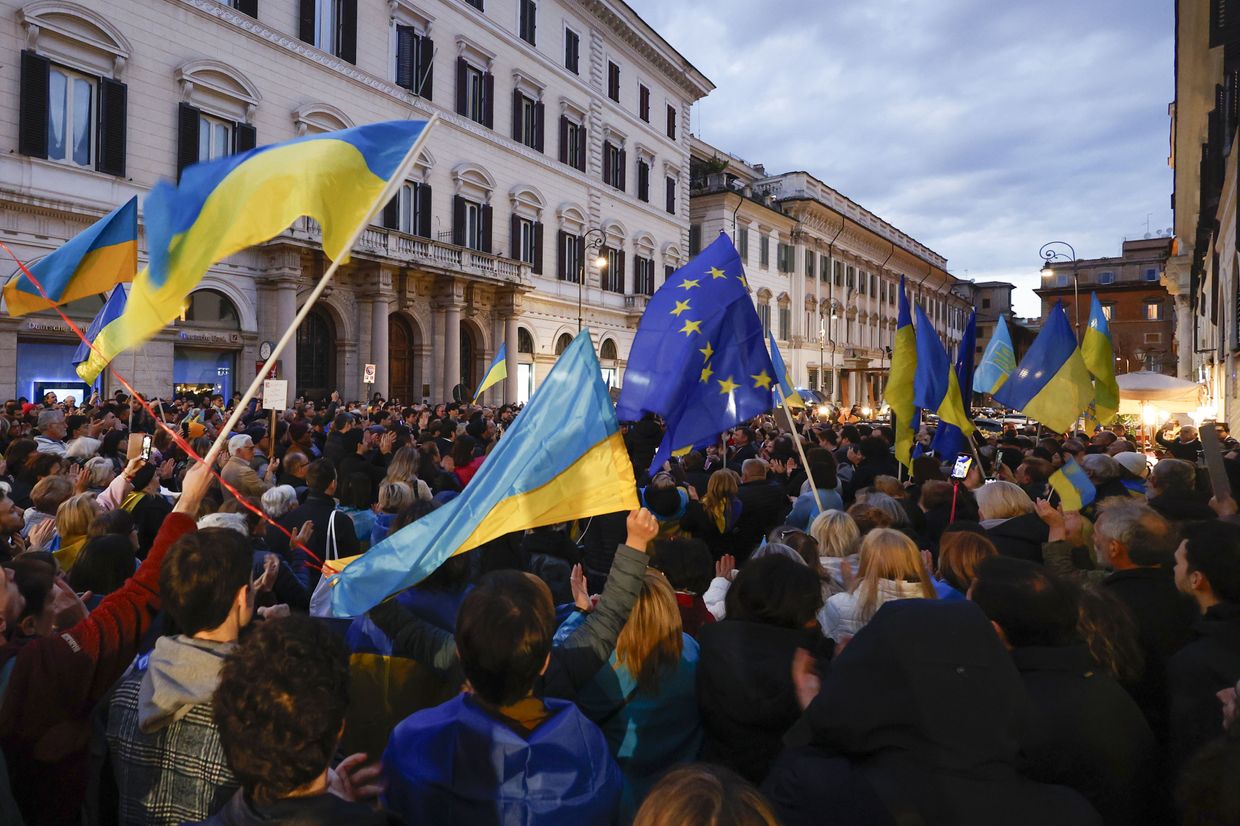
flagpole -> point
(796, 438)
(393, 184)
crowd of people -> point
(791, 628)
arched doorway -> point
(316, 356)
(204, 359)
(405, 383)
(469, 352)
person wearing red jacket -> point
(49, 685)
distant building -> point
(1133, 297)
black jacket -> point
(1180, 450)
(641, 441)
(335, 448)
(763, 508)
(1086, 732)
(1182, 507)
(372, 466)
(318, 810)
(318, 509)
(924, 709)
(1020, 537)
(1208, 664)
(745, 692)
(869, 470)
(148, 515)
(598, 540)
(701, 525)
(742, 453)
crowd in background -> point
(780, 633)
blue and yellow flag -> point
(1099, 355)
(699, 359)
(791, 397)
(950, 440)
(998, 361)
(111, 311)
(563, 459)
(497, 372)
(935, 386)
(1052, 383)
(899, 393)
(92, 262)
(221, 207)
(1073, 485)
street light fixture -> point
(592, 240)
(1048, 253)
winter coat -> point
(318, 509)
(238, 473)
(317, 810)
(1195, 674)
(805, 509)
(702, 526)
(763, 508)
(1020, 537)
(1182, 508)
(840, 615)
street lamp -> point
(592, 240)
(1048, 253)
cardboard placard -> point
(1214, 461)
(368, 374)
(275, 394)
(134, 449)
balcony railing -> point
(426, 252)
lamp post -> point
(1048, 253)
(592, 240)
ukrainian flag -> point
(497, 372)
(1099, 355)
(935, 386)
(998, 361)
(1052, 383)
(221, 207)
(899, 395)
(791, 397)
(1073, 485)
(112, 310)
(562, 459)
(92, 262)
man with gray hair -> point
(1173, 492)
(240, 475)
(1104, 472)
(763, 506)
(1186, 447)
(52, 432)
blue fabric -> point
(949, 439)
(458, 764)
(381, 528)
(655, 730)
(363, 522)
(944, 591)
(805, 509)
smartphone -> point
(146, 448)
(998, 462)
(963, 462)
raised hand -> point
(642, 527)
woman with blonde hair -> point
(73, 519)
(646, 702)
(1006, 512)
(960, 552)
(713, 520)
(394, 498)
(839, 540)
(404, 468)
(891, 568)
(99, 473)
(704, 795)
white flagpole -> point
(393, 184)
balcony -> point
(424, 253)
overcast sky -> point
(981, 128)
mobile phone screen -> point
(146, 447)
(963, 462)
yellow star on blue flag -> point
(700, 391)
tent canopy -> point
(1164, 392)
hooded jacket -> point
(923, 712)
(169, 762)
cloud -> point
(982, 129)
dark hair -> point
(201, 575)
(356, 492)
(114, 522)
(503, 634)
(926, 469)
(686, 563)
(463, 449)
(1207, 793)
(143, 476)
(72, 423)
(1031, 605)
(413, 513)
(319, 475)
(824, 470)
(111, 445)
(872, 447)
(18, 453)
(1110, 632)
(1213, 548)
(280, 704)
(342, 421)
(775, 590)
(106, 561)
(35, 577)
(851, 433)
(41, 466)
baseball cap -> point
(1134, 463)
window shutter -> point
(249, 7)
(621, 275)
(458, 220)
(516, 115)
(305, 22)
(514, 237)
(32, 138)
(485, 215)
(187, 137)
(560, 268)
(425, 81)
(538, 125)
(624, 165)
(423, 195)
(563, 138)
(579, 259)
(581, 148)
(461, 91)
(538, 248)
(245, 137)
(406, 57)
(348, 31)
(488, 100)
(391, 212)
(607, 162)
(112, 99)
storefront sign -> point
(35, 325)
(204, 337)
(275, 394)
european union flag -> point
(699, 359)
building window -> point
(644, 276)
(1151, 274)
(643, 180)
(742, 243)
(613, 81)
(839, 273)
(671, 195)
(1106, 277)
(527, 120)
(1153, 338)
(1153, 309)
(568, 257)
(613, 273)
(785, 323)
(643, 103)
(471, 224)
(1108, 310)
(215, 138)
(809, 263)
(477, 4)
(414, 61)
(572, 50)
(1061, 280)
(474, 93)
(410, 210)
(852, 277)
(985, 303)
(861, 283)
(784, 257)
(572, 144)
(671, 121)
(764, 250)
(764, 315)
(523, 239)
(529, 21)
(613, 165)
(71, 117)
(330, 25)
(203, 137)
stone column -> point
(452, 349)
(435, 349)
(510, 361)
(379, 343)
(283, 273)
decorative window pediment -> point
(75, 35)
(218, 88)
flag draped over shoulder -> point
(1073, 485)
(92, 262)
(935, 386)
(497, 372)
(899, 395)
(1099, 354)
(223, 206)
(949, 439)
(1052, 384)
(111, 311)
(998, 361)
(699, 359)
(563, 458)
(791, 397)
